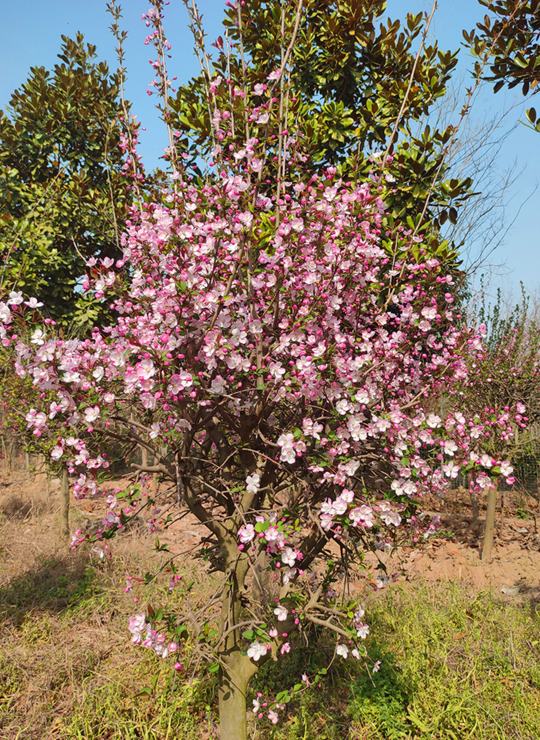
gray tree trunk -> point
(64, 504)
(490, 524)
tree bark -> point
(474, 505)
(236, 669)
(490, 524)
(64, 506)
(233, 685)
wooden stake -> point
(64, 506)
(490, 524)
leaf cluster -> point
(511, 37)
(352, 75)
(61, 186)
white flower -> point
(71, 376)
(362, 515)
(38, 337)
(15, 298)
(288, 574)
(256, 651)
(148, 401)
(286, 442)
(33, 303)
(145, 369)
(288, 556)
(281, 613)
(256, 706)
(218, 385)
(451, 470)
(429, 313)
(362, 631)
(246, 534)
(253, 483)
(433, 420)
(486, 461)
(343, 406)
(449, 447)
(57, 452)
(98, 373)
(5, 313)
(91, 414)
(137, 625)
(342, 650)
(154, 430)
(506, 469)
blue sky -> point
(31, 35)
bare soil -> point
(452, 554)
(53, 665)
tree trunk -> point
(64, 506)
(490, 524)
(5, 461)
(474, 505)
(236, 669)
(233, 686)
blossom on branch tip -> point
(256, 651)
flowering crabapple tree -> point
(279, 364)
(280, 374)
(501, 400)
(23, 414)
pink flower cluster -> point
(143, 634)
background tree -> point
(511, 37)
(506, 375)
(359, 86)
(62, 194)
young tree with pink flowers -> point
(501, 398)
(277, 365)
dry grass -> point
(457, 664)
(67, 668)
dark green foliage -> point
(61, 188)
(510, 37)
(350, 77)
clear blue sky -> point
(30, 35)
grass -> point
(455, 664)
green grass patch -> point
(455, 665)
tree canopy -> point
(361, 86)
(62, 194)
